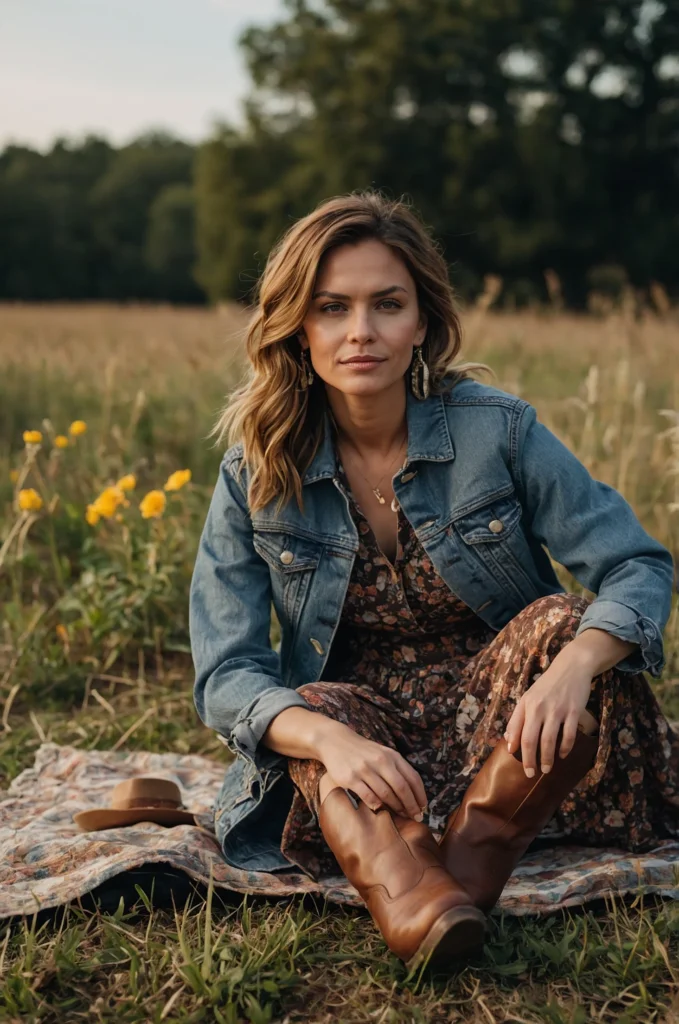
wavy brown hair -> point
(281, 426)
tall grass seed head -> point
(29, 500)
(152, 505)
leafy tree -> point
(47, 251)
(170, 244)
(241, 204)
(530, 135)
(120, 205)
(86, 221)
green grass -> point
(207, 960)
(125, 681)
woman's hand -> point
(557, 698)
(375, 773)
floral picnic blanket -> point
(45, 860)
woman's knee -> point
(553, 615)
(315, 691)
(549, 619)
(329, 698)
(555, 604)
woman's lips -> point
(363, 364)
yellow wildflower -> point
(32, 437)
(153, 505)
(61, 441)
(77, 427)
(13, 475)
(178, 479)
(62, 632)
(30, 500)
(91, 515)
(108, 501)
(127, 483)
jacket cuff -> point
(253, 721)
(624, 622)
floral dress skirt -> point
(421, 673)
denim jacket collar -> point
(428, 437)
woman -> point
(396, 511)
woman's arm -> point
(598, 651)
(300, 732)
(592, 530)
(238, 688)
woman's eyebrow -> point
(375, 295)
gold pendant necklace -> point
(376, 490)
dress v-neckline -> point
(394, 567)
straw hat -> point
(143, 798)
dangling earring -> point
(419, 389)
(306, 375)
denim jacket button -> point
(495, 526)
(316, 646)
(287, 557)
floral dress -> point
(415, 669)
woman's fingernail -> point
(419, 817)
(509, 747)
(544, 768)
(530, 772)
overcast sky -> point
(120, 67)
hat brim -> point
(107, 817)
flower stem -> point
(55, 555)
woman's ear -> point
(421, 329)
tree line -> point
(532, 135)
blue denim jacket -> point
(476, 456)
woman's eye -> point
(332, 307)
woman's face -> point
(363, 319)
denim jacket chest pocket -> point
(292, 561)
(492, 536)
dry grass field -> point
(99, 607)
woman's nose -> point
(360, 328)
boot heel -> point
(458, 932)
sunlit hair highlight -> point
(281, 426)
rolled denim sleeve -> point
(238, 689)
(592, 530)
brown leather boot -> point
(395, 864)
(502, 812)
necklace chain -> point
(376, 488)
